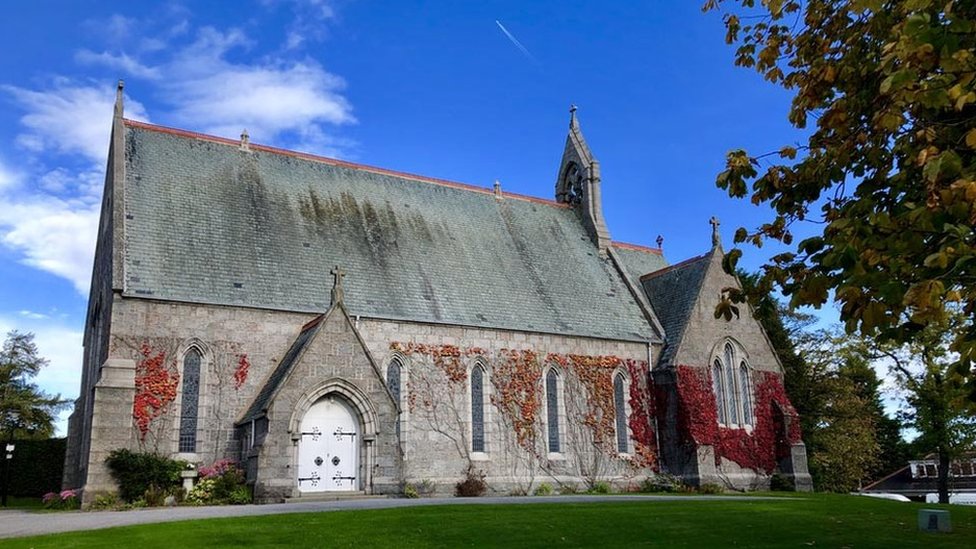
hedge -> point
(37, 467)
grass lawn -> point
(811, 521)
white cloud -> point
(70, 118)
(121, 62)
(61, 344)
(53, 235)
(268, 98)
(32, 315)
(7, 177)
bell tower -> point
(578, 183)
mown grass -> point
(809, 521)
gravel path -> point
(15, 523)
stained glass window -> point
(745, 388)
(620, 412)
(393, 382)
(478, 409)
(719, 387)
(189, 408)
(552, 410)
(730, 393)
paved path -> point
(15, 523)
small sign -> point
(934, 520)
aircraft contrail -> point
(515, 41)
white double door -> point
(328, 452)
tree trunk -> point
(943, 475)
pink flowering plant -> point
(220, 483)
(67, 499)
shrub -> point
(781, 483)
(410, 492)
(567, 489)
(472, 486)
(135, 472)
(221, 483)
(599, 488)
(66, 499)
(543, 489)
(710, 489)
(106, 500)
(661, 482)
(426, 488)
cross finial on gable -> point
(660, 242)
(337, 295)
(245, 141)
(716, 238)
(572, 116)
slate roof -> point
(264, 397)
(639, 261)
(209, 223)
(672, 292)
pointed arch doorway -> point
(328, 451)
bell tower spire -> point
(578, 182)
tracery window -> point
(552, 411)
(620, 413)
(745, 392)
(718, 386)
(478, 409)
(733, 387)
(189, 407)
(393, 372)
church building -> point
(334, 327)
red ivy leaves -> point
(240, 372)
(517, 381)
(759, 448)
(156, 385)
(641, 411)
(445, 357)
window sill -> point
(556, 456)
(480, 456)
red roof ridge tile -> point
(637, 247)
(674, 267)
(339, 163)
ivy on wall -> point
(516, 376)
(156, 385)
(758, 447)
(241, 370)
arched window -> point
(189, 408)
(552, 410)
(730, 392)
(745, 390)
(718, 386)
(478, 409)
(620, 413)
(393, 372)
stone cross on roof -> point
(337, 295)
(716, 238)
(245, 141)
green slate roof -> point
(672, 292)
(209, 223)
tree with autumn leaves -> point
(888, 165)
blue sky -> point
(434, 88)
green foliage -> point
(890, 163)
(472, 486)
(710, 489)
(781, 483)
(599, 487)
(410, 492)
(37, 467)
(543, 489)
(136, 472)
(26, 412)
(662, 482)
(104, 501)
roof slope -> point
(639, 261)
(209, 223)
(672, 292)
(270, 387)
